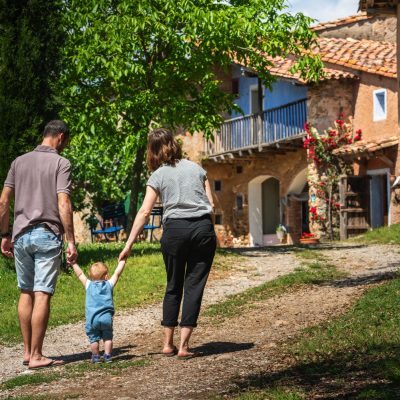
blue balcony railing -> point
(254, 131)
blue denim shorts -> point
(100, 328)
(37, 255)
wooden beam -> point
(386, 160)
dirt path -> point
(252, 270)
(240, 347)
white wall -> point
(255, 210)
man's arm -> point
(79, 273)
(5, 200)
(117, 273)
(65, 210)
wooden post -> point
(398, 61)
(343, 205)
(260, 114)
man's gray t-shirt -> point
(37, 177)
(181, 189)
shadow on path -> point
(215, 348)
(119, 353)
(369, 374)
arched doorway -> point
(264, 210)
(298, 218)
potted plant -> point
(308, 238)
(280, 232)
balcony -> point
(259, 131)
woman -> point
(188, 243)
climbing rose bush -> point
(320, 147)
(325, 184)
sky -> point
(325, 10)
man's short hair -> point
(55, 127)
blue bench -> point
(113, 214)
(156, 213)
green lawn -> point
(385, 235)
(355, 356)
(143, 281)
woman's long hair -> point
(162, 148)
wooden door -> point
(355, 205)
(270, 205)
(378, 200)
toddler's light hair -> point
(98, 271)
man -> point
(40, 181)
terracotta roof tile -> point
(281, 67)
(342, 21)
(366, 147)
(364, 55)
(371, 56)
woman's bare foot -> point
(39, 361)
(169, 350)
(185, 354)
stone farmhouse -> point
(257, 165)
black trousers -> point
(188, 248)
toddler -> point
(99, 306)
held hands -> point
(7, 248)
(72, 253)
(125, 253)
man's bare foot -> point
(40, 361)
(27, 357)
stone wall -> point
(380, 28)
(234, 229)
(82, 232)
(329, 99)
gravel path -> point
(69, 341)
(236, 351)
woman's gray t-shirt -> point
(181, 190)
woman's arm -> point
(140, 220)
(210, 198)
(208, 192)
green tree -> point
(31, 36)
(131, 63)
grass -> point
(385, 235)
(370, 328)
(143, 282)
(33, 379)
(278, 393)
(355, 356)
(71, 371)
(365, 341)
(311, 272)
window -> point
(239, 202)
(239, 169)
(217, 186)
(235, 87)
(380, 104)
(218, 219)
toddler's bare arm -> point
(118, 272)
(79, 273)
